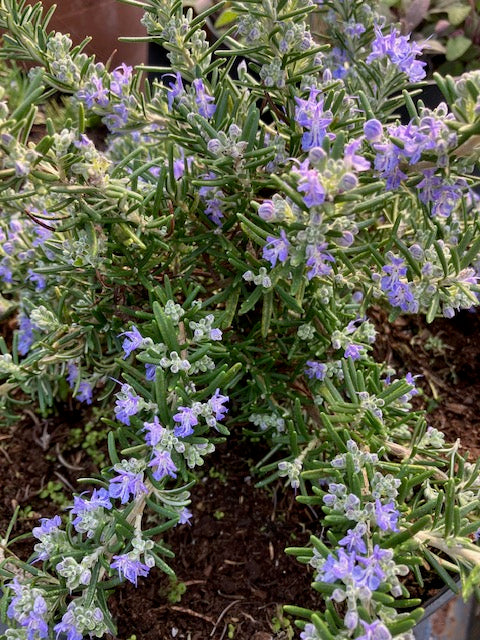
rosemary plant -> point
(229, 235)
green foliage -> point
(175, 590)
(90, 437)
(55, 492)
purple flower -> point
(395, 270)
(339, 568)
(317, 260)
(373, 130)
(85, 510)
(162, 464)
(400, 295)
(85, 389)
(118, 118)
(206, 108)
(352, 160)
(126, 483)
(354, 29)
(78, 619)
(354, 541)
(72, 374)
(94, 94)
(310, 633)
(133, 340)
(386, 516)
(266, 210)
(410, 379)
(212, 196)
(179, 164)
(42, 235)
(38, 280)
(185, 516)
(155, 432)
(309, 114)
(47, 529)
(127, 404)
(175, 90)
(5, 272)
(216, 403)
(316, 370)
(445, 199)
(399, 51)
(353, 351)
(31, 620)
(338, 61)
(150, 371)
(387, 163)
(375, 631)
(25, 335)
(68, 626)
(276, 249)
(214, 210)
(85, 392)
(310, 185)
(373, 575)
(428, 186)
(47, 525)
(121, 77)
(99, 499)
(130, 568)
(82, 142)
(216, 334)
(187, 420)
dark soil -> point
(446, 356)
(231, 558)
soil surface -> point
(229, 562)
(446, 356)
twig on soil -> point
(64, 480)
(220, 617)
(190, 612)
(230, 597)
(33, 417)
(62, 460)
(6, 455)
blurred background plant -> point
(448, 29)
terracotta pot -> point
(105, 21)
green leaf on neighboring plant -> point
(457, 13)
(225, 18)
(457, 46)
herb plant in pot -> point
(211, 269)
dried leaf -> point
(416, 12)
(432, 46)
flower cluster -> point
(399, 51)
